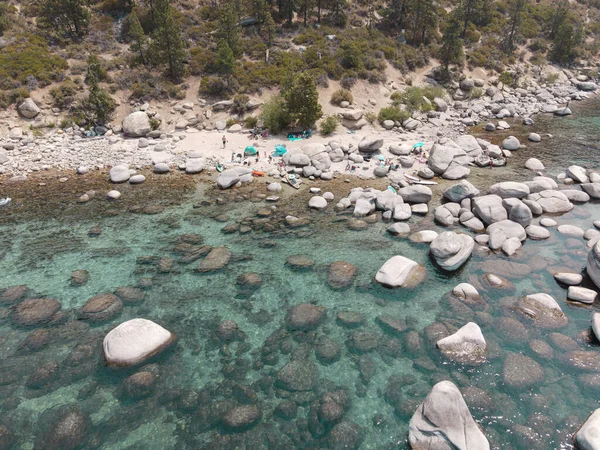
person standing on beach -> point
(224, 141)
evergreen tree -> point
(225, 60)
(228, 28)
(396, 13)
(337, 12)
(168, 47)
(306, 9)
(66, 17)
(563, 46)
(259, 9)
(98, 107)
(452, 46)
(139, 41)
(560, 14)
(302, 100)
(514, 25)
(421, 21)
(269, 28)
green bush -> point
(552, 78)
(506, 79)
(250, 122)
(64, 94)
(348, 81)
(13, 96)
(275, 114)
(476, 92)
(240, 104)
(370, 117)
(328, 125)
(214, 86)
(154, 123)
(342, 95)
(414, 97)
(28, 55)
(230, 122)
(392, 113)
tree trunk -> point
(318, 11)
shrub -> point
(230, 122)
(476, 92)
(393, 113)
(13, 96)
(341, 95)
(250, 122)
(212, 86)
(27, 56)
(154, 123)
(552, 78)
(370, 117)
(240, 104)
(328, 125)
(275, 114)
(348, 81)
(506, 79)
(64, 94)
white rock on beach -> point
(317, 202)
(509, 189)
(466, 291)
(399, 271)
(137, 124)
(458, 192)
(443, 422)
(570, 279)
(511, 143)
(113, 195)
(596, 325)
(119, 174)
(534, 164)
(28, 108)
(134, 342)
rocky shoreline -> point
(190, 140)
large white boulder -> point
(317, 202)
(134, 342)
(137, 124)
(399, 271)
(28, 109)
(415, 194)
(467, 345)
(120, 173)
(445, 158)
(194, 165)
(489, 209)
(231, 177)
(451, 250)
(509, 189)
(552, 202)
(469, 144)
(443, 422)
(588, 435)
(370, 144)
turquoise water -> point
(199, 378)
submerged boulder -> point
(467, 345)
(134, 342)
(443, 422)
(399, 271)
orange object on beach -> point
(258, 173)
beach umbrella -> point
(250, 151)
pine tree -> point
(269, 28)
(560, 14)
(337, 12)
(302, 100)
(306, 9)
(168, 47)
(514, 25)
(66, 17)
(421, 21)
(225, 60)
(139, 41)
(228, 28)
(563, 46)
(259, 9)
(452, 47)
(98, 107)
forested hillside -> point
(82, 53)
